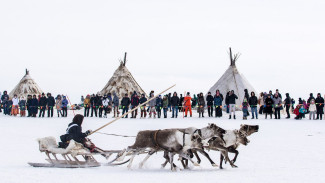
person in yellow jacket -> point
(87, 106)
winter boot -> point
(234, 116)
(230, 116)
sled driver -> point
(74, 131)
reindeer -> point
(231, 141)
(171, 140)
(208, 132)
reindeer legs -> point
(206, 155)
(146, 158)
(233, 150)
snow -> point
(282, 151)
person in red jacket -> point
(187, 104)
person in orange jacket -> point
(187, 104)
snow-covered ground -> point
(282, 151)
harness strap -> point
(183, 139)
(67, 131)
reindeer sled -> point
(70, 155)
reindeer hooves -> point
(234, 166)
(233, 161)
(214, 165)
(196, 164)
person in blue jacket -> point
(65, 106)
(159, 105)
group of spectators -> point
(100, 106)
(33, 105)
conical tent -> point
(233, 80)
(122, 82)
(26, 86)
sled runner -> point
(49, 146)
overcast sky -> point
(74, 46)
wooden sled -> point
(48, 145)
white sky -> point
(73, 46)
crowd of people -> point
(267, 104)
(34, 105)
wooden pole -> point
(131, 110)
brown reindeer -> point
(171, 140)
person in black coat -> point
(227, 101)
(93, 103)
(232, 103)
(268, 106)
(174, 102)
(287, 104)
(125, 103)
(247, 97)
(319, 106)
(252, 101)
(42, 105)
(50, 105)
(180, 105)
(28, 105)
(99, 105)
(74, 132)
(134, 103)
(169, 101)
(142, 100)
(209, 100)
(34, 106)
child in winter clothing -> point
(312, 109)
(15, 103)
(22, 106)
(58, 105)
(296, 111)
(302, 111)
(245, 109)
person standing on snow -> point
(22, 106)
(187, 104)
(86, 106)
(93, 103)
(159, 105)
(201, 105)
(58, 105)
(42, 105)
(34, 106)
(320, 106)
(180, 105)
(268, 106)
(152, 106)
(125, 104)
(252, 101)
(312, 109)
(142, 100)
(247, 98)
(165, 105)
(174, 102)
(134, 103)
(277, 105)
(232, 104)
(218, 98)
(105, 103)
(209, 100)
(116, 103)
(65, 106)
(287, 105)
(50, 105)
(15, 104)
